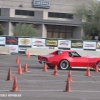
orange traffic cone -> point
(70, 76)
(45, 67)
(96, 69)
(15, 87)
(88, 71)
(26, 68)
(9, 77)
(28, 55)
(55, 71)
(19, 69)
(17, 60)
(68, 88)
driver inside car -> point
(59, 52)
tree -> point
(24, 30)
(1, 30)
(90, 13)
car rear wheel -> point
(64, 64)
(50, 66)
(98, 64)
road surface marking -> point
(51, 91)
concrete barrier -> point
(4, 50)
(36, 51)
(89, 53)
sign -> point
(2, 40)
(13, 48)
(50, 42)
(89, 45)
(64, 43)
(76, 44)
(38, 43)
(11, 40)
(24, 41)
(41, 4)
(23, 48)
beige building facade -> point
(52, 18)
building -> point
(53, 18)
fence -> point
(20, 44)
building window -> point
(69, 16)
(30, 13)
(57, 15)
(63, 15)
(18, 12)
(24, 12)
(50, 14)
(57, 31)
(60, 15)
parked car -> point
(66, 59)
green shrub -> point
(87, 37)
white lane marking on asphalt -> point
(32, 90)
(84, 91)
(16, 64)
(14, 71)
(34, 81)
(51, 91)
(44, 74)
(86, 81)
(83, 99)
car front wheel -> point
(98, 64)
(64, 64)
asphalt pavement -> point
(39, 85)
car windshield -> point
(74, 54)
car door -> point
(80, 61)
(77, 60)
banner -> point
(13, 48)
(76, 44)
(23, 48)
(89, 45)
(24, 41)
(2, 40)
(11, 40)
(38, 43)
(64, 43)
(51, 42)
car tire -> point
(98, 64)
(50, 66)
(64, 65)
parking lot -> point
(39, 85)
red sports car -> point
(66, 59)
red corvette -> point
(66, 59)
